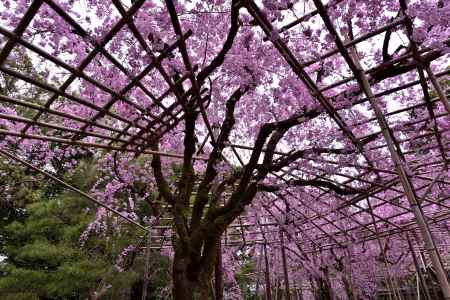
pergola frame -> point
(134, 137)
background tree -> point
(44, 257)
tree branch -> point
(185, 184)
(387, 39)
(310, 182)
(210, 173)
(219, 59)
(161, 183)
(285, 161)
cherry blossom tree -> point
(279, 112)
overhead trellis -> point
(411, 154)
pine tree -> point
(43, 255)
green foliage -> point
(43, 256)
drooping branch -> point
(378, 74)
(387, 70)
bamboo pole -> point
(421, 280)
(409, 190)
(400, 164)
(421, 65)
(88, 144)
(437, 87)
(386, 272)
(267, 274)
(148, 252)
(285, 269)
(20, 29)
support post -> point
(386, 273)
(147, 266)
(422, 282)
(401, 166)
(218, 274)
(285, 270)
(437, 87)
(267, 274)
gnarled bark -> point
(191, 275)
(186, 283)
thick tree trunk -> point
(187, 282)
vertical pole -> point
(218, 274)
(212, 289)
(147, 265)
(300, 291)
(418, 270)
(398, 289)
(386, 274)
(285, 270)
(258, 273)
(257, 284)
(267, 274)
(423, 260)
(275, 286)
(350, 279)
